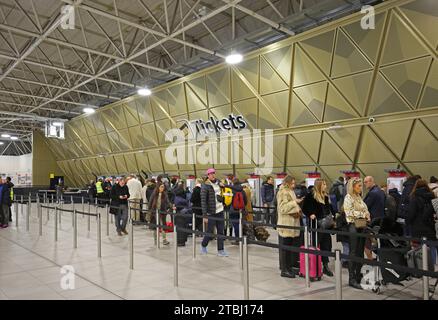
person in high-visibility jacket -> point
(99, 190)
(11, 187)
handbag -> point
(360, 223)
(327, 222)
(435, 205)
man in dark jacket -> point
(403, 208)
(212, 205)
(235, 212)
(11, 192)
(196, 203)
(267, 193)
(5, 200)
(119, 198)
(375, 198)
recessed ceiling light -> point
(88, 110)
(14, 138)
(4, 135)
(234, 58)
(1, 143)
(144, 92)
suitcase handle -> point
(316, 233)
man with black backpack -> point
(337, 193)
(267, 193)
(238, 204)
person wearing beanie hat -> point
(212, 205)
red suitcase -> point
(315, 261)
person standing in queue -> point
(289, 214)
(212, 205)
(11, 193)
(119, 197)
(196, 204)
(100, 193)
(160, 200)
(267, 193)
(317, 206)
(357, 215)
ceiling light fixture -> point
(88, 110)
(234, 58)
(334, 126)
(57, 124)
(14, 138)
(4, 135)
(144, 92)
(1, 143)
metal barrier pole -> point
(40, 217)
(175, 265)
(194, 235)
(22, 205)
(306, 256)
(338, 275)
(88, 221)
(28, 217)
(56, 224)
(240, 242)
(245, 269)
(48, 212)
(131, 246)
(83, 205)
(157, 219)
(30, 203)
(425, 267)
(16, 211)
(75, 229)
(52, 197)
(107, 219)
(60, 213)
(99, 236)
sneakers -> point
(203, 250)
(124, 231)
(327, 271)
(165, 242)
(222, 253)
(287, 274)
(3, 226)
(119, 233)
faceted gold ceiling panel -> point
(339, 75)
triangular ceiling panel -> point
(334, 172)
(367, 39)
(270, 81)
(269, 119)
(249, 69)
(159, 105)
(131, 163)
(280, 59)
(196, 96)
(144, 109)
(136, 137)
(401, 44)
(377, 171)
(310, 142)
(277, 103)
(337, 108)
(385, 99)
(408, 77)
(394, 134)
(218, 84)
(430, 98)
(131, 114)
(424, 15)
(248, 108)
(320, 47)
(120, 164)
(355, 89)
(162, 127)
(299, 114)
(422, 145)
(143, 161)
(155, 161)
(331, 154)
(372, 149)
(431, 123)
(313, 96)
(89, 126)
(149, 134)
(176, 100)
(102, 165)
(240, 89)
(424, 169)
(305, 71)
(348, 59)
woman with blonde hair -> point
(317, 206)
(357, 215)
(289, 214)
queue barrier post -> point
(306, 256)
(16, 211)
(99, 236)
(28, 216)
(338, 275)
(75, 229)
(107, 219)
(56, 224)
(425, 267)
(60, 213)
(88, 218)
(83, 205)
(157, 219)
(40, 219)
(240, 242)
(22, 205)
(131, 245)
(245, 269)
(193, 235)
(175, 265)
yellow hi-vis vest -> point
(99, 188)
(12, 193)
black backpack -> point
(335, 190)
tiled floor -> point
(30, 268)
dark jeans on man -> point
(289, 259)
(219, 224)
(4, 214)
(270, 213)
(122, 217)
(357, 245)
(235, 216)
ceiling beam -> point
(22, 94)
(45, 108)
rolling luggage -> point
(372, 279)
(315, 261)
(414, 259)
(394, 256)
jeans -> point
(357, 245)
(289, 259)
(4, 214)
(235, 216)
(121, 217)
(219, 224)
(270, 213)
(345, 249)
(135, 214)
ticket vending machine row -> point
(396, 178)
(255, 181)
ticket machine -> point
(348, 174)
(279, 179)
(191, 182)
(311, 177)
(255, 181)
(396, 178)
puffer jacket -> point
(289, 212)
(267, 192)
(208, 198)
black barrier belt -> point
(273, 225)
(207, 234)
(66, 210)
(88, 214)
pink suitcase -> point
(315, 261)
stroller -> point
(387, 251)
